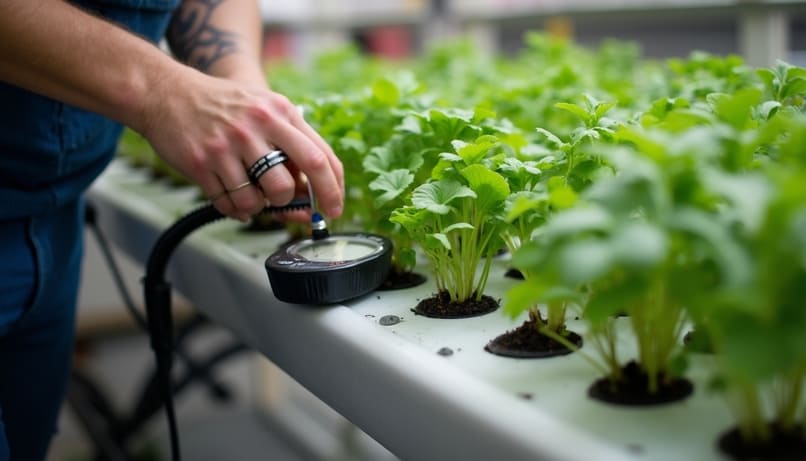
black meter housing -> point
(329, 270)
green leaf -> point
(531, 255)
(523, 202)
(392, 184)
(750, 350)
(527, 294)
(585, 261)
(793, 72)
(474, 152)
(794, 87)
(450, 157)
(379, 160)
(602, 109)
(355, 144)
(410, 124)
(436, 240)
(641, 140)
(411, 218)
(518, 167)
(562, 198)
(607, 301)
(386, 92)
(457, 226)
(684, 119)
(770, 80)
(521, 297)
(406, 258)
(553, 140)
(575, 221)
(736, 109)
(582, 133)
(391, 156)
(749, 194)
(661, 107)
(577, 110)
(768, 108)
(639, 245)
(678, 364)
(561, 195)
(490, 187)
(734, 263)
(437, 196)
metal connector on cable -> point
(318, 224)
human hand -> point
(213, 130)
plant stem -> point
(573, 347)
(604, 341)
(556, 316)
(483, 279)
(752, 424)
(789, 393)
(657, 323)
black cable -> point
(216, 388)
(158, 299)
(158, 307)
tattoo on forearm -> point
(195, 40)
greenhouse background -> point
(322, 53)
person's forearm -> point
(55, 49)
(219, 37)
(209, 127)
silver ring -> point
(265, 163)
(227, 191)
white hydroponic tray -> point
(390, 380)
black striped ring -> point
(266, 163)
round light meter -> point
(329, 270)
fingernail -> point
(335, 211)
(244, 218)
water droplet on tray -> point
(445, 351)
(388, 320)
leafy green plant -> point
(569, 168)
(457, 217)
(358, 126)
(785, 83)
(623, 247)
(408, 158)
(756, 327)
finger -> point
(334, 161)
(246, 199)
(312, 161)
(216, 193)
(211, 187)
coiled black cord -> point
(158, 299)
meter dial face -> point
(332, 250)
(329, 270)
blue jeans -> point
(49, 154)
(40, 262)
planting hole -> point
(401, 281)
(633, 389)
(440, 306)
(526, 342)
(781, 446)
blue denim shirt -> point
(51, 152)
